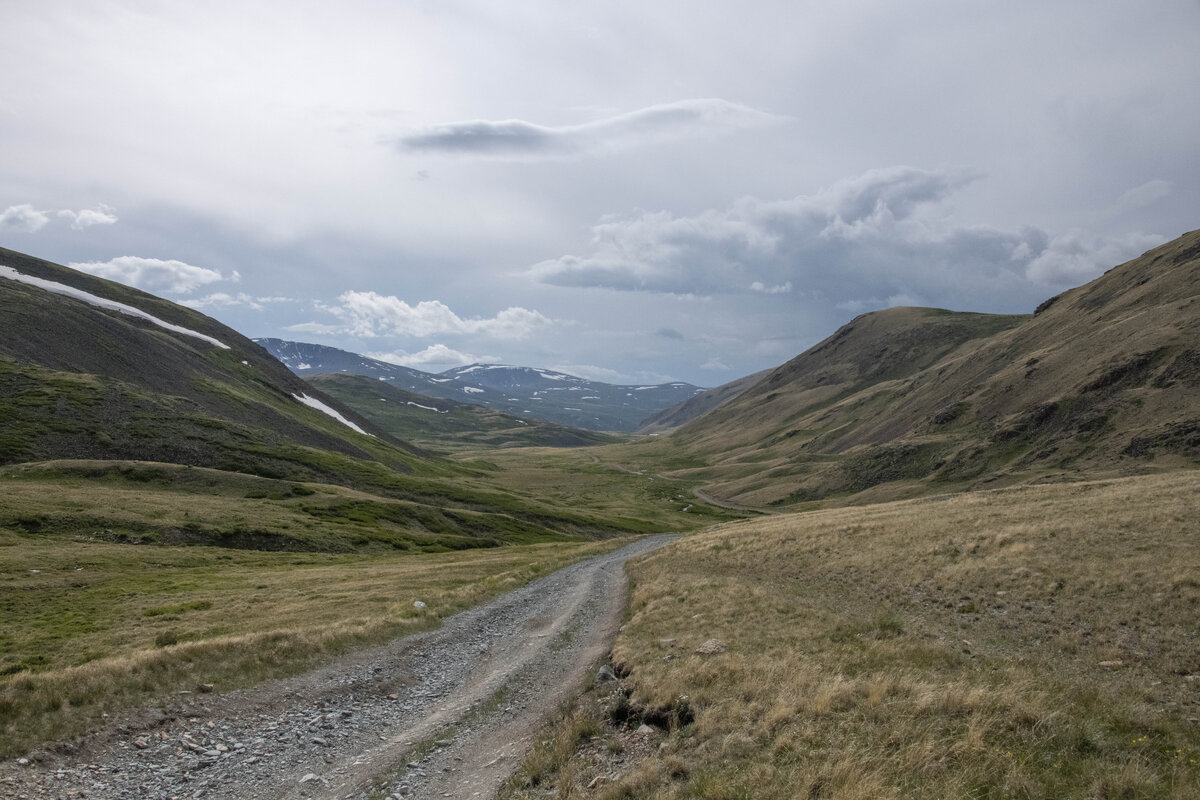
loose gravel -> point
(447, 713)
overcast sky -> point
(628, 191)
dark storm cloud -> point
(516, 138)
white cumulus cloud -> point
(154, 274)
(23, 219)
(87, 217)
(436, 355)
(369, 314)
(514, 138)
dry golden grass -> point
(1038, 642)
(91, 627)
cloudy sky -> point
(628, 191)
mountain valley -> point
(939, 553)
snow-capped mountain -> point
(528, 391)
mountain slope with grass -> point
(96, 373)
(1101, 379)
(85, 381)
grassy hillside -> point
(80, 381)
(1102, 380)
(84, 383)
(1037, 642)
(447, 425)
(140, 502)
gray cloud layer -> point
(312, 175)
(514, 138)
(879, 239)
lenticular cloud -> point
(514, 138)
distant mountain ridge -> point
(442, 424)
(524, 391)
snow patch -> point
(101, 302)
(427, 408)
(472, 390)
(312, 402)
(478, 367)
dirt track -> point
(448, 713)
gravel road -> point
(447, 713)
